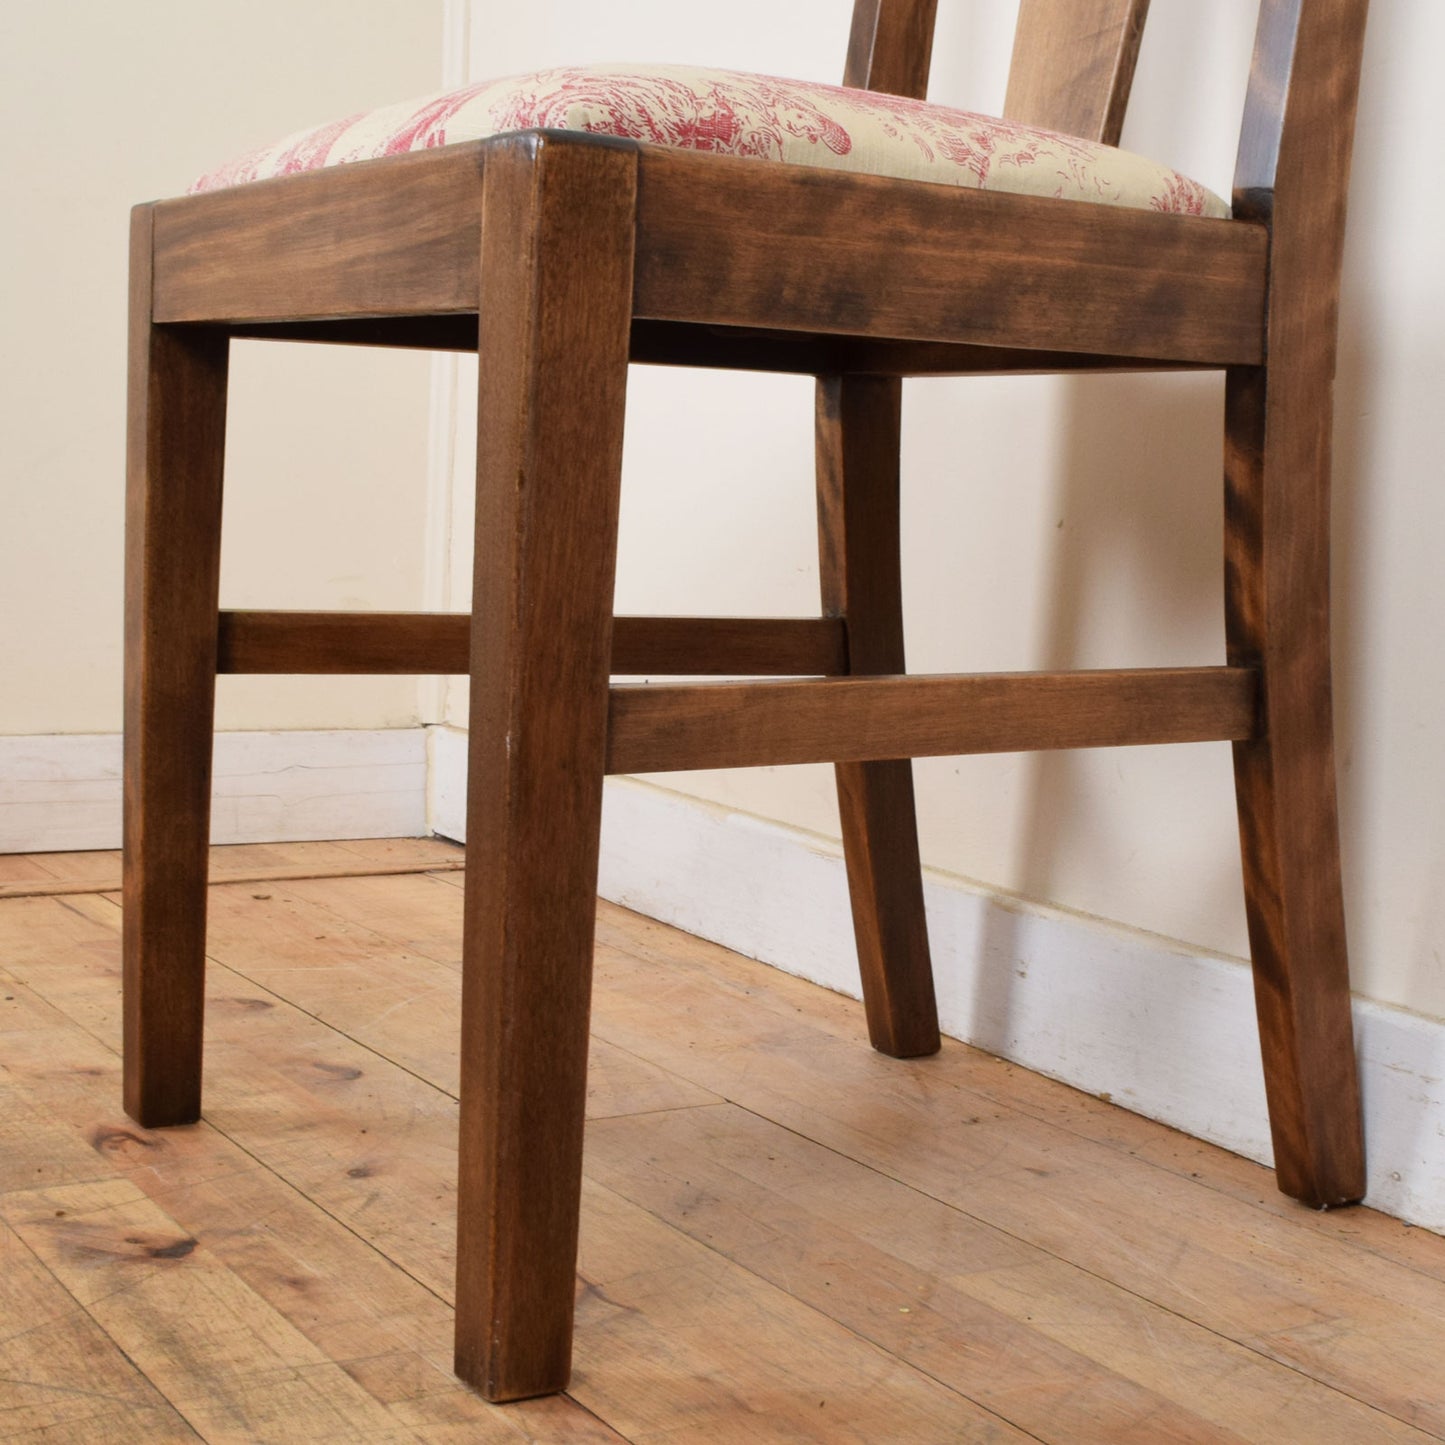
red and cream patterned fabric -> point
(732, 113)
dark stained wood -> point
(175, 439)
(890, 46)
(559, 257)
(858, 436)
(392, 237)
(1073, 65)
(344, 642)
(440, 642)
(733, 646)
(1293, 170)
(556, 264)
(736, 243)
(668, 726)
(731, 242)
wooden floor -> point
(785, 1236)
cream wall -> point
(1076, 523)
(106, 105)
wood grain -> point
(654, 729)
(22, 868)
(373, 1146)
(390, 979)
(259, 1242)
(144, 1280)
(1073, 65)
(1060, 1353)
(557, 257)
(242, 860)
(857, 436)
(724, 241)
(326, 243)
(729, 242)
(1142, 1286)
(1273, 1281)
(61, 1376)
(439, 642)
(1294, 170)
(858, 424)
(175, 442)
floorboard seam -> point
(1254, 1349)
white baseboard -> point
(62, 792)
(446, 782)
(1165, 1029)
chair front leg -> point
(176, 437)
(1277, 603)
(858, 437)
(556, 302)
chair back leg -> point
(858, 436)
(1277, 610)
(176, 438)
(556, 305)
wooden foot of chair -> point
(858, 437)
(1277, 588)
(177, 424)
(557, 233)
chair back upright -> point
(1293, 168)
(890, 46)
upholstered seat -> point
(734, 113)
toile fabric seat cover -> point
(728, 112)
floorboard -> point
(785, 1236)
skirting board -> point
(62, 792)
(1167, 1030)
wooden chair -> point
(580, 254)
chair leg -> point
(1277, 604)
(557, 236)
(176, 437)
(858, 436)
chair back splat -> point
(1073, 65)
(565, 224)
(1292, 175)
